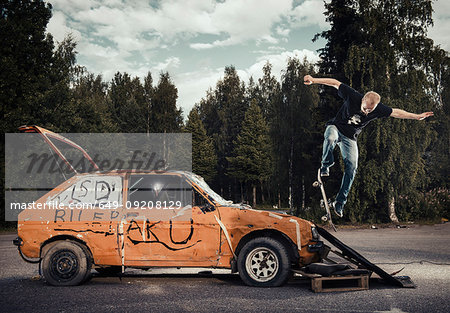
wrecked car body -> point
(141, 219)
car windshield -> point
(201, 182)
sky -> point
(194, 40)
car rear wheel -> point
(264, 262)
(66, 263)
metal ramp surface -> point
(358, 259)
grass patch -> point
(8, 230)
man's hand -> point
(308, 80)
(425, 115)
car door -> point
(164, 226)
(88, 207)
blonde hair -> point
(372, 97)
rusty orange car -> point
(113, 220)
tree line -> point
(260, 141)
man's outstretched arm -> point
(308, 80)
(399, 113)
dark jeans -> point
(349, 152)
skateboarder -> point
(356, 112)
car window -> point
(91, 190)
(211, 193)
(158, 191)
(198, 199)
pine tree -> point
(26, 60)
(26, 54)
(165, 116)
(269, 93)
(127, 102)
(297, 139)
(149, 92)
(90, 106)
(221, 112)
(204, 159)
(252, 150)
(269, 97)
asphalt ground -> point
(423, 251)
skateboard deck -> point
(324, 202)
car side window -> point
(159, 191)
(200, 201)
(91, 190)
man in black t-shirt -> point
(356, 112)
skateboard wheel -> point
(316, 184)
(324, 218)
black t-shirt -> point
(350, 120)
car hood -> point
(248, 214)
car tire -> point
(264, 262)
(66, 263)
(88, 275)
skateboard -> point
(324, 202)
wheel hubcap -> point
(262, 264)
(64, 265)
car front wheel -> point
(66, 264)
(264, 262)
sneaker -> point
(324, 171)
(338, 209)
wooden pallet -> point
(340, 283)
(321, 283)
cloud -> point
(283, 31)
(104, 60)
(244, 20)
(170, 65)
(126, 22)
(279, 62)
(70, 6)
(192, 86)
(309, 13)
(172, 17)
(57, 26)
(440, 31)
(138, 25)
(141, 36)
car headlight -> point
(314, 233)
